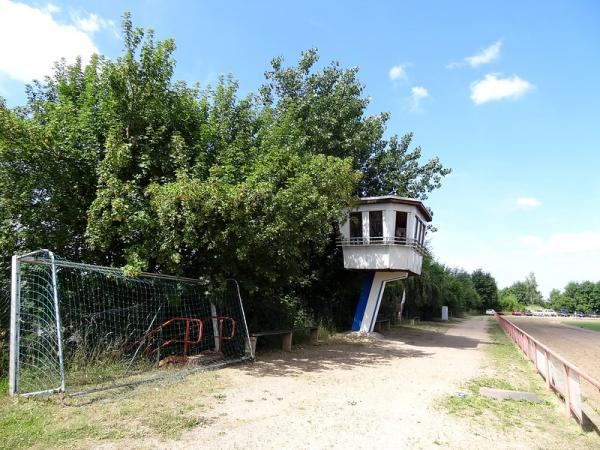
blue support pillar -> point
(362, 301)
(370, 298)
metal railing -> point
(560, 375)
(382, 240)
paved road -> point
(580, 347)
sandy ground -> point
(350, 396)
(577, 345)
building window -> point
(417, 227)
(420, 229)
(356, 225)
(376, 224)
(401, 219)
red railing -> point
(560, 375)
(192, 334)
(221, 320)
(186, 341)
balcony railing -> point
(383, 240)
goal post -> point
(39, 316)
(14, 326)
(83, 327)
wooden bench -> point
(286, 337)
(313, 333)
(383, 324)
(415, 320)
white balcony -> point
(385, 234)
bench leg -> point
(253, 345)
(314, 336)
(286, 342)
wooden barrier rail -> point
(560, 375)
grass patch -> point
(162, 409)
(502, 414)
(543, 423)
(3, 387)
(594, 326)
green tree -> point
(152, 126)
(509, 301)
(485, 285)
(49, 152)
(527, 292)
(118, 163)
(582, 296)
(329, 108)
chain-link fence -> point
(81, 327)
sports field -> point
(594, 326)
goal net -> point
(78, 327)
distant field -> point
(594, 326)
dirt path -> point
(381, 394)
(577, 345)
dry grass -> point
(158, 410)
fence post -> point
(547, 369)
(567, 392)
(13, 369)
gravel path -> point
(378, 394)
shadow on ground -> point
(424, 338)
(346, 354)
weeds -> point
(163, 409)
(509, 369)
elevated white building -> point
(384, 236)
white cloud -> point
(92, 23)
(417, 95)
(530, 240)
(50, 8)
(486, 56)
(556, 258)
(398, 72)
(492, 88)
(564, 243)
(528, 202)
(31, 40)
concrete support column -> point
(370, 298)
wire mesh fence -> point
(80, 327)
(4, 326)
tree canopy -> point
(577, 296)
(118, 163)
(521, 293)
(485, 285)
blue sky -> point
(505, 93)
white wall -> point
(382, 257)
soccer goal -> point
(79, 328)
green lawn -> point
(594, 326)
